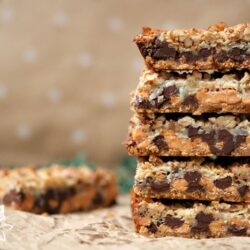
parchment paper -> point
(109, 228)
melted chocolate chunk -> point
(191, 101)
(158, 186)
(223, 183)
(162, 51)
(160, 142)
(173, 222)
(202, 222)
(237, 231)
(193, 178)
(243, 190)
(52, 199)
(213, 137)
(152, 228)
(13, 197)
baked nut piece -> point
(183, 135)
(226, 179)
(190, 219)
(218, 47)
(56, 189)
(192, 92)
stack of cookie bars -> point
(191, 132)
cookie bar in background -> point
(191, 219)
(223, 178)
(192, 92)
(185, 135)
(56, 189)
(218, 47)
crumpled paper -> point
(109, 228)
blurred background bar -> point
(67, 68)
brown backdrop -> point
(67, 67)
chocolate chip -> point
(243, 190)
(221, 57)
(236, 54)
(228, 143)
(160, 142)
(204, 53)
(55, 197)
(213, 137)
(239, 139)
(193, 178)
(167, 92)
(159, 186)
(173, 222)
(98, 199)
(161, 50)
(189, 56)
(192, 131)
(13, 197)
(223, 183)
(143, 104)
(202, 222)
(143, 49)
(152, 228)
(237, 231)
(191, 101)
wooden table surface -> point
(102, 229)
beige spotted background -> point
(67, 67)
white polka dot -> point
(23, 131)
(55, 95)
(108, 100)
(169, 25)
(137, 65)
(7, 15)
(3, 91)
(78, 136)
(115, 24)
(85, 59)
(30, 55)
(60, 20)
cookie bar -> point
(56, 189)
(218, 47)
(226, 179)
(183, 135)
(162, 217)
(193, 92)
